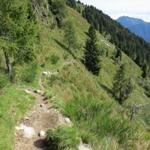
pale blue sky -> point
(116, 8)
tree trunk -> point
(8, 65)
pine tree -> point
(118, 55)
(122, 87)
(145, 71)
(71, 3)
(17, 32)
(92, 54)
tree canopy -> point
(17, 32)
(92, 54)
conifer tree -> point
(17, 32)
(118, 55)
(145, 71)
(122, 86)
(71, 3)
(92, 54)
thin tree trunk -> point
(8, 65)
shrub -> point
(28, 73)
(62, 138)
(65, 56)
(70, 36)
(122, 86)
(3, 80)
(54, 59)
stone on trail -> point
(28, 91)
(39, 92)
(42, 133)
(49, 74)
(84, 147)
(68, 121)
(27, 132)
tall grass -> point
(63, 138)
(96, 119)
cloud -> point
(117, 8)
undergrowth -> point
(96, 118)
(63, 138)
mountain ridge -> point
(137, 26)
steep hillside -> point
(137, 26)
(86, 99)
(135, 47)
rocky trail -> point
(31, 130)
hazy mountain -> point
(137, 26)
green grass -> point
(14, 102)
(80, 96)
(96, 115)
(95, 121)
(63, 138)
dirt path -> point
(31, 131)
(40, 118)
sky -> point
(116, 8)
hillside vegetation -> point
(134, 46)
(88, 100)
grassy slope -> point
(108, 66)
(13, 104)
(74, 81)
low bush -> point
(28, 73)
(65, 56)
(62, 138)
(54, 59)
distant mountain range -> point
(137, 26)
